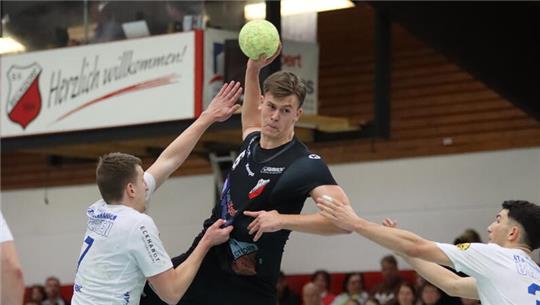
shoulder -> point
(310, 162)
(250, 137)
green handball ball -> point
(258, 37)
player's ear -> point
(514, 234)
(130, 189)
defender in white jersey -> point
(121, 248)
(501, 272)
(11, 281)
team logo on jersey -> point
(272, 170)
(258, 189)
(250, 173)
(463, 246)
(230, 209)
(238, 159)
(314, 157)
(24, 98)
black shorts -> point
(213, 286)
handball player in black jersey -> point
(262, 198)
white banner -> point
(214, 62)
(104, 85)
(301, 58)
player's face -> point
(278, 116)
(498, 230)
(140, 189)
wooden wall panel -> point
(437, 108)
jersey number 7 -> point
(89, 241)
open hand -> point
(339, 213)
(265, 221)
(224, 103)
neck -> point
(269, 142)
(522, 247)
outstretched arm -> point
(220, 109)
(394, 239)
(448, 281)
(451, 283)
(251, 119)
(172, 284)
(272, 221)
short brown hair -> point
(282, 84)
(114, 171)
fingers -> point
(232, 90)
(253, 224)
(328, 215)
(218, 223)
(258, 235)
(252, 213)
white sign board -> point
(301, 58)
(104, 85)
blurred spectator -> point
(372, 301)
(385, 291)
(285, 295)
(353, 302)
(37, 294)
(353, 288)
(468, 236)
(406, 295)
(108, 27)
(11, 277)
(431, 295)
(322, 279)
(311, 294)
(52, 290)
(31, 303)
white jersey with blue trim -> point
(120, 250)
(503, 276)
(5, 233)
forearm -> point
(177, 152)
(391, 238)
(310, 223)
(12, 290)
(448, 281)
(185, 272)
(252, 93)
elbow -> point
(414, 249)
(451, 289)
(411, 250)
(171, 297)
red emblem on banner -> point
(24, 98)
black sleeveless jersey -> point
(277, 179)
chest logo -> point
(258, 188)
(272, 170)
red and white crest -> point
(24, 98)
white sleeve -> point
(473, 259)
(151, 184)
(5, 233)
(148, 250)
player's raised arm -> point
(220, 109)
(251, 113)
